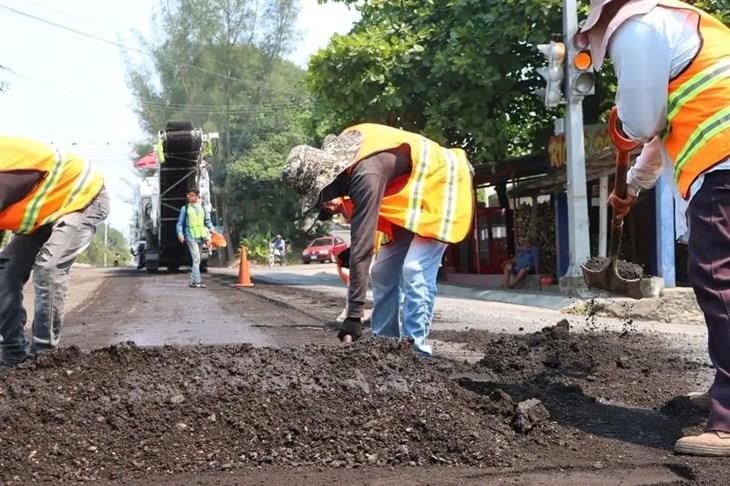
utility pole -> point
(578, 226)
(106, 227)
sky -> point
(71, 91)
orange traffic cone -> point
(244, 276)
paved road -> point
(160, 309)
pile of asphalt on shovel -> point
(625, 269)
(126, 412)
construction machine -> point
(178, 167)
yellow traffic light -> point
(582, 78)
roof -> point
(602, 163)
(534, 164)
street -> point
(158, 383)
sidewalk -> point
(325, 276)
(676, 305)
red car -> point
(323, 249)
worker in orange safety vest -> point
(406, 186)
(672, 61)
(52, 202)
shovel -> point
(607, 277)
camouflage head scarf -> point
(308, 170)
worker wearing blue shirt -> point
(193, 228)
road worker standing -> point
(673, 66)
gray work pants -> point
(49, 252)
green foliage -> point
(116, 244)
(719, 8)
(265, 206)
(257, 247)
(462, 72)
(217, 63)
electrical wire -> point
(119, 45)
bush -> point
(257, 246)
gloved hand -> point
(352, 326)
(621, 206)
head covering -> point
(308, 170)
(600, 28)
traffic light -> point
(582, 81)
(553, 73)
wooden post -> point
(602, 215)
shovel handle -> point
(619, 138)
(624, 146)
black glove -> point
(343, 258)
(350, 327)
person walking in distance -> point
(194, 228)
(52, 202)
(672, 61)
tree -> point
(116, 244)
(217, 63)
(460, 71)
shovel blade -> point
(607, 278)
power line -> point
(119, 44)
(165, 108)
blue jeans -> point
(194, 247)
(49, 252)
(404, 276)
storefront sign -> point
(595, 139)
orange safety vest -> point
(68, 184)
(436, 199)
(698, 109)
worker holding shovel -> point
(673, 66)
(406, 186)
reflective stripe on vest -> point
(416, 194)
(67, 184)
(80, 183)
(698, 105)
(447, 223)
(35, 205)
(708, 129)
(699, 82)
(435, 200)
(196, 221)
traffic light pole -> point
(578, 225)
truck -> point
(178, 166)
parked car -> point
(323, 249)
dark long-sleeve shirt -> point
(15, 185)
(366, 187)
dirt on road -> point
(552, 407)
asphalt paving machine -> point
(179, 167)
